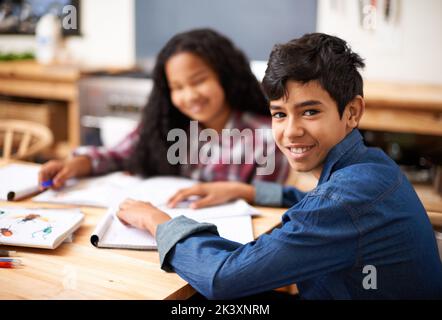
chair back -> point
(20, 140)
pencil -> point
(7, 253)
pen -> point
(47, 183)
(7, 253)
(9, 263)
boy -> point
(362, 220)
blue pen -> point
(47, 184)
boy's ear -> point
(354, 111)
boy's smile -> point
(306, 124)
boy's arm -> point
(223, 269)
(276, 195)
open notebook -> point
(39, 228)
(233, 221)
(18, 181)
(103, 191)
(111, 189)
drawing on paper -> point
(43, 232)
(6, 232)
(30, 217)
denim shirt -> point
(362, 233)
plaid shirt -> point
(106, 160)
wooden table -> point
(78, 270)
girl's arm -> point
(106, 160)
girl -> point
(199, 75)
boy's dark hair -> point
(315, 56)
(242, 90)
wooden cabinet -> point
(57, 85)
(52, 83)
(50, 114)
(395, 107)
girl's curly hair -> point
(242, 91)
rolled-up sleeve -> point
(172, 231)
(268, 194)
(105, 160)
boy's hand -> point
(141, 215)
(213, 193)
(59, 171)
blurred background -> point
(82, 67)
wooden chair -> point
(21, 139)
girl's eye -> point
(310, 112)
(175, 88)
(278, 115)
(198, 81)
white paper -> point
(234, 228)
(18, 178)
(104, 191)
(112, 233)
(158, 190)
(232, 225)
(110, 190)
(236, 208)
(40, 228)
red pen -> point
(9, 263)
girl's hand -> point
(141, 215)
(59, 171)
(213, 193)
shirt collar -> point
(233, 120)
(341, 154)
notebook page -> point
(238, 229)
(19, 178)
(103, 191)
(159, 190)
(236, 208)
(112, 233)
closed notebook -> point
(38, 228)
(18, 181)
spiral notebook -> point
(233, 220)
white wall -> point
(108, 35)
(407, 49)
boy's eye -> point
(310, 112)
(278, 115)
